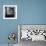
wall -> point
(29, 12)
(34, 12)
(7, 26)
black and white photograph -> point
(9, 11)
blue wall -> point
(33, 12)
(28, 12)
(7, 26)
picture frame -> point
(9, 11)
(39, 35)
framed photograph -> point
(9, 11)
(31, 32)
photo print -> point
(9, 11)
